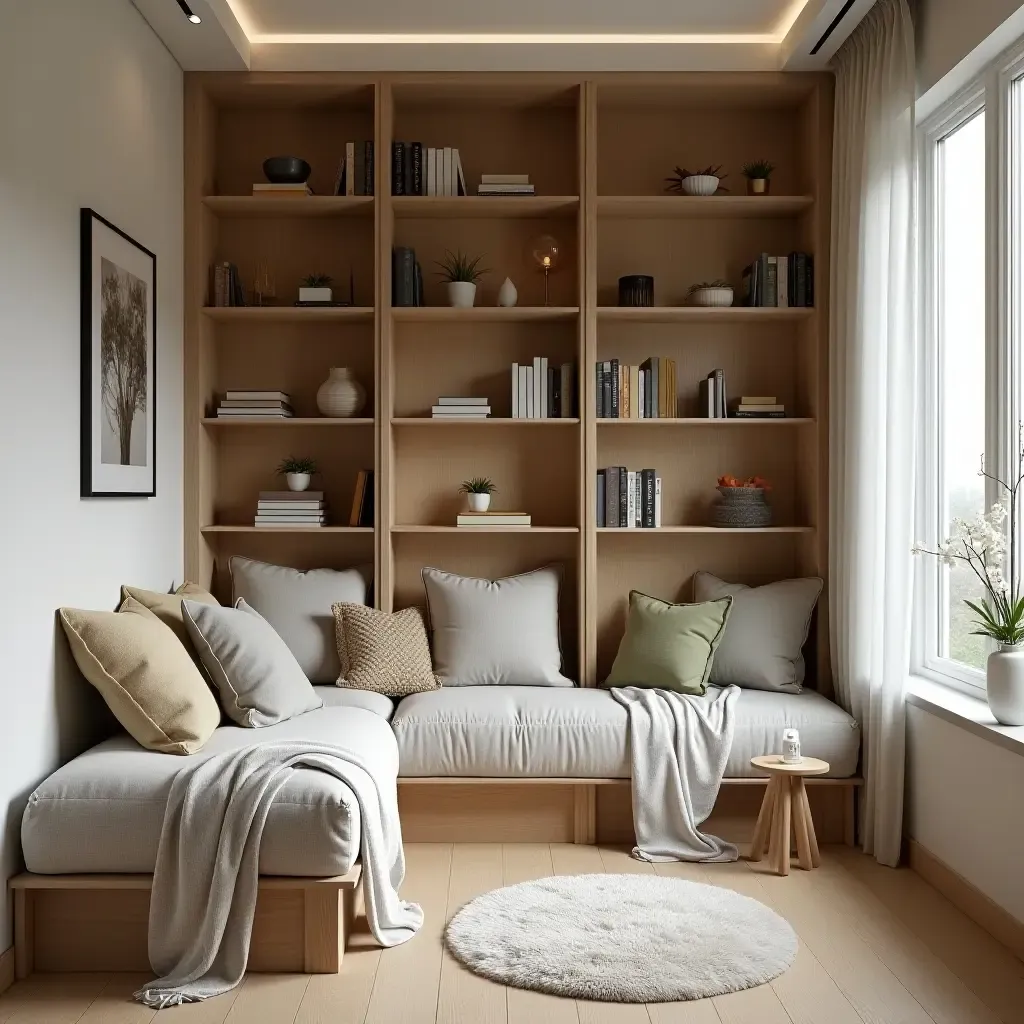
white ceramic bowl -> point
(700, 185)
(712, 297)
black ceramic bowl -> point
(286, 170)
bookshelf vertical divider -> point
(384, 500)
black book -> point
(599, 410)
(366, 506)
(397, 162)
(615, 396)
(370, 169)
(554, 392)
(417, 168)
(600, 498)
(417, 284)
(623, 497)
(648, 367)
(647, 477)
(611, 496)
(359, 188)
(407, 169)
(758, 415)
(403, 270)
(800, 279)
(809, 260)
(606, 389)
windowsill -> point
(966, 712)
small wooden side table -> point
(786, 800)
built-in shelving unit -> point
(598, 149)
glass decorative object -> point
(546, 253)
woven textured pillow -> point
(386, 652)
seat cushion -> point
(340, 697)
(536, 731)
(102, 812)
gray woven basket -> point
(741, 507)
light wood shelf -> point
(490, 421)
(290, 423)
(448, 207)
(272, 530)
(466, 530)
(484, 314)
(712, 530)
(703, 314)
(289, 314)
(290, 206)
(705, 421)
(702, 207)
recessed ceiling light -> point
(189, 13)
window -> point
(972, 194)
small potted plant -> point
(759, 177)
(298, 472)
(710, 293)
(742, 503)
(462, 274)
(705, 182)
(478, 491)
(316, 288)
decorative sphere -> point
(546, 252)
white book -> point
(515, 391)
(641, 380)
(524, 411)
(531, 392)
(460, 178)
(253, 414)
(461, 410)
(631, 500)
(288, 521)
(265, 505)
(657, 501)
(467, 400)
(535, 400)
(276, 396)
(504, 179)
(350, 168)
(543, 414)
(782, 289)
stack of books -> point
(541, 391)
(227, 285)
(759, 407)
(406, 277)
(644, 392)
(478, 519)
(264, 404)
(418, 170)
(713, 403)
(362, 500)
(779, 281)
(355, 170)
(504, 185)
(461, 408)
(628, 499)
(270, 188)
(291, 508)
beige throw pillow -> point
(386, 652)
(167, 608)
(145, 675)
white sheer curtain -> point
(872, 402)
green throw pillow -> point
(669, 646)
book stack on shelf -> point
(779, 281)
(418, 170)
(628, 499)
(458, 408)
(277, 189)
(712, 398)
(406, 277)
(478, 519)
(227, 285)
(355, 170)
(291, 508)
(362, 500)
(644, 392)
(505, 185)
(759, 407)
(272, 405)
(541, 391)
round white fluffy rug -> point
(622, 938)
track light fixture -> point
(189, 13)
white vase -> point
(1004, 679)
(700, 185)
(479, 502)
(298, 481)
(507, 294)
(712, 297)
(341, 395)
(461, 294)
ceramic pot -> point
(1004, 679)
(315, 295)
(741, 507)
(479, 502)
(507, 294)
(461, 294)
(341, 395)
(759, 186)
(700, 185)
(712, 297)
(298, 481)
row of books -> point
(505, 185)
(455, 407)
(406, 277)
(418, 170)
(628, 499)
(355, 170)
(715, 405)
(291, 508)
(541, 391)
(478, 519)
(758, 407)
(275, 405)
(227, 285)
(779, 281)
(643, 392)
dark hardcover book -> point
(360, 179)
(747, 286)
(801, 279)
(606, 389)
(614, 412)
(791, 279)
(758, 415)
(417, 284)
(637, 498)
(598, 405)
(397, 162)
(645, 398)
(762, 279)
(368, 168)
(600, 498)
(706, 394)
(611, 496)
(647, 478)
(623, 497)
(403, 270)
(417, 169)
(554, 393)
(407, 169)
(237, 291)
(367, 512)
(810, 279)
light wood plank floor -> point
(876, 947)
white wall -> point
(965, 804)
(90, 115)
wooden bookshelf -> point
(597, 148)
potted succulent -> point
(316, 288)
(759, 177)
(298, 472)
(462, 274)
(705, 182)
(478, 491)
(710, 293)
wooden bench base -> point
(100, 923)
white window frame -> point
(1004, 337)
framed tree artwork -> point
(118, 442)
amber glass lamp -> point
(546, 252)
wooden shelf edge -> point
(493, 421)
(484, 206)
(413, 528)
(482, 314)
(287, 529)
(287, 314)
(289, 206)
(294, 421)
(705, 530)
(699, 207)
(704, 314)
(706, 421)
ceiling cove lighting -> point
(189, 13)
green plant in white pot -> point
(478, 492)
(983, 545)
(297, 471)
(462, 274)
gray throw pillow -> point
(298, 605)
(259, 680)
(495, 632)
(763, 643)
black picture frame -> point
(115, 463)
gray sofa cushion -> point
(103, 811)
(536, 732)
(338, 697)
